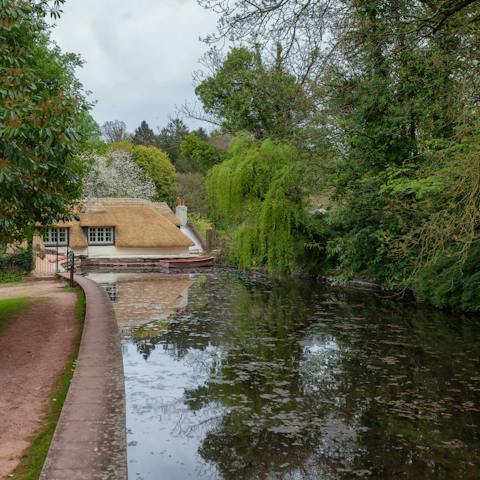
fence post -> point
(210, 240)
(71, 262)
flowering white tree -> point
(117, 175)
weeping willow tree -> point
(257, 195)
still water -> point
(237, 377)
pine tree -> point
(144, 135)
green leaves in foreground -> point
(43, 121)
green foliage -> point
(201, 224)
(170, 138)
(11, 306)
(405, 181)
(280, 217)
(144, 135)
(246, 94)
(123, 145)
(199, 155)
(158, 167)
(393, 142)
(191, 186)
(256, 193)
(20, 260)
(451, 280)
(43, 122)
(11, 277)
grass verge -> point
(33, 459)
(10, 306)
(11, 277)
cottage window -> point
(55, 236)
(100, 235)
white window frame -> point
(100, 236)
(55, 236)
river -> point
(234, 377)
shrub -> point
(199, 155)
(117, 175)
(10, 277)
(201, 224)
(156, 164)
(451, 281)
(19, 261)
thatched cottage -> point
(121, 227)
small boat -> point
(189, 262)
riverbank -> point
(339, 281)
(37, 346)
(89, 440)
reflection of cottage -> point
(122, 227)
(140, 299)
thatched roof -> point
(138, 223)
(165, 210)
(92, 205)
(77, 238)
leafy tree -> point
(157, 166)
(114, 131)
(394, 109)
(395, 85)
(256, 194)
(117, 175)
(144, 135)
(198, 155)
(220, 140)
(170, 138)
(44, 122)
(246, 94)
(154, 165)
(201, 134)
(191, 186)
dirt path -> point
(34, 351)
(39, 288)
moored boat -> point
(189, 262)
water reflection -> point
(143, 298)
(292, 380)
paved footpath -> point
(35, 350)
(89, 442)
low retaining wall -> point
(90, 439)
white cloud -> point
(140, 54)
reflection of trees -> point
(317, 383)
(274, 420)
(407, 374)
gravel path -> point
(34, 351)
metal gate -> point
(50, 259)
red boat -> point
(189, 262)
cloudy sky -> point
(139, 54)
